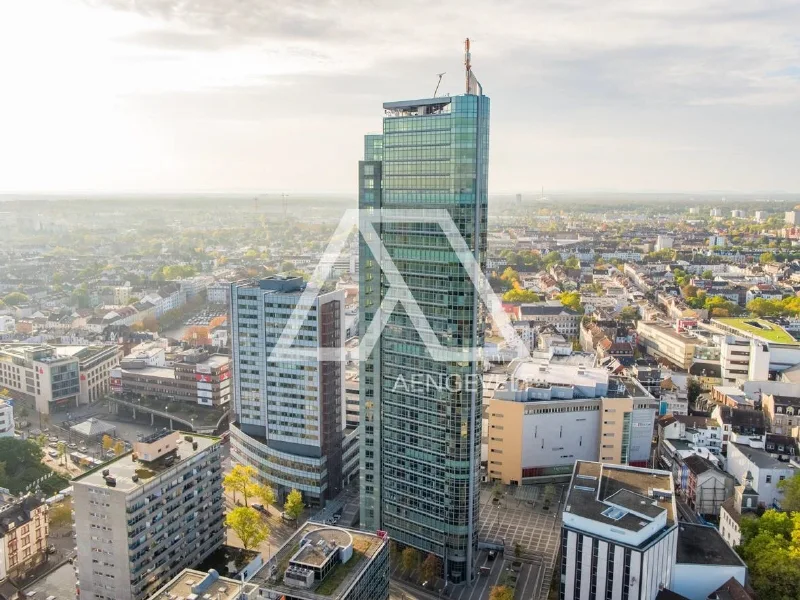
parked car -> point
(287, 517)
(53, 454)
(259, 507)
(36, 431)
(73, 445)
(53, 438)
(110, 453)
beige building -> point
(24, 526)
(783, 413)
(663, 341)
(544, 418)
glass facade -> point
(420, 456)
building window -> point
(769, 479)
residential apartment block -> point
(766, 471)
(24, 526)
(147, 515)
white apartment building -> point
(147, 515)
(664, 341)
(219, 293)
(6, 418)
(765, 470)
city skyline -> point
(200, 97)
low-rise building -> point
(24, 526)
(743, 502)
(783, 412)
(766, 470)
(196, 377)
(662, 341)
(191, 583)
(312, 564)
(707, 486)
(564, 319)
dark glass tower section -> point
(420, 456)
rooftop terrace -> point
(335, 584)
(758, 328)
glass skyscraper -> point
(421, 406)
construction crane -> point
(438, 83)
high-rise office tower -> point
(420, 455)
(289, 404)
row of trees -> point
(245, 520)
(775, 308)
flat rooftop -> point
(596, 487)
(670, 331)
(703, 545)
(123, 468)
(338, 581)
(162, 372)
(316, 551)
(219, 588)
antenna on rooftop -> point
(438, 83)
(467, 62)
(473, 85)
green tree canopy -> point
(294, 504)
(771, 549)
(15, 299)
(248, 525)
(791, 493)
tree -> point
(248, 525)
(520, 296)
(107, 443)
(693, 390)
(60, 514)
(551, 258)
(41, 440)
(573, 262)
(24, 467)
(510, 275)
(766, 258)
(240, 479)
(266, 494)
(294, 504)
(571, 300)
(62, 452)
(707, 274)
(791, 493)
(119, 447)
(431, 567)
(15, 299)
(771, 549)
(409, 559)
(629, 313)
(197, 335)
(501, 592)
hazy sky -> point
(275, 95)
